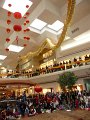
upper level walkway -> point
(50, 76)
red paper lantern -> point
(27, 29)
(24, 45)
(27, 6)
(27, 21)
(7, 49)
(24, 30)
(24, 23)
(7, 39)
(25, 37)
(9, 14)
(17, 28)
(28, 38)
(8, 22)
(8, 30)
(25, 17)
(27, 13)
(38, 89)
(17, 15)
(9, 5)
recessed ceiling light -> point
(17, 5)
(38, 24)
(15, 48)
(2, 57)
(56, 26)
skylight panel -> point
(56, 26)
(15, 48)
(2, 57)
(38, 24)
(17, 5)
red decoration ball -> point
(38, 89)
(7, 49)
(17, 15)
(9, 5)
(27, 6)
(17, 28)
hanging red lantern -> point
(17, 28)
(38, 89)
(24, 45)
(7, 49)
(28, 38)
(27, 21)
(25, 17)
(9, 5)
(17, 15)
(27, 6)
(8, 30)
(24, 23)
(27, 13)
(25, 38)
(7, 40)
(27, 29)
(8, 22)
(9, 14)
(24, 30)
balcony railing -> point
(56, 68)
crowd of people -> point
(38, 104)
(60, 66)
(63, 65)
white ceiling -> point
(48, 11)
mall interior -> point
(36, 46)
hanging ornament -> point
(25, 38)
(7, 40)
(27, 21)
(27, 13)
(27, 6)
(8, 22)
(9, 5)
(24, 45)
(27, 29)
(38, 89)
(8, 30)
(28, 38)
(9, 13)
(25, 17)
(24, 31)
(17, 15)
(24, 23)
(17, 28)
(7, 49)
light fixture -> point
(56, 26)
(2, 57)
(15, 48)
(38, 24)
(17, 5)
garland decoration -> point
(70, 12)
